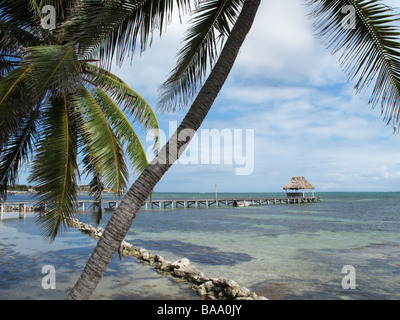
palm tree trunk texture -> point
(121, 221)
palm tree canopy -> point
(56, 106)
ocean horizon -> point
(295, 251)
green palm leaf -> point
(95, 41)
(11, 83)
(56, 68)
(54, 167)
(44, 68)
(211, 24)
(132, 103)
(122, 25)
(61, 6)
(13, 38)
(96, 185)
(20, 13)
(101, 144)
(123, 130)
(17, 150)
(370, 50)
(15, 101)
(96, 191)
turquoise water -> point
(292, 251)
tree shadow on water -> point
(195, 253)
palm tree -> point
(57, 107)
(370, 51)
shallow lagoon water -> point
(23, 253)
(280, 251)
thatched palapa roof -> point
(298, 183)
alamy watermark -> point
(49, 19)
(49, 280)
(349, 21)
(349, 280)
(211, 147)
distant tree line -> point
(22, 187)
(30, 188)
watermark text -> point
(208, 147)
(49, 280)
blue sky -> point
(289, 89)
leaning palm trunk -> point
(121, 221)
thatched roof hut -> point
(298, 183)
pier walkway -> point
(197, 203)
(23, 206)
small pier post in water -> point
(114, 204)
(81, 205)
(22, 210)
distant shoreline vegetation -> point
(22, 188)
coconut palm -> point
(58, 109)
(370, 52)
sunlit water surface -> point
(280, 251)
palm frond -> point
(101, 144)
(14, 38)
(54, 168)
(90, 163)
(96, 191)
(63, 10)
(17, 150)
(370, 49)
(96, 184)
(15, 101)
(6, 66)
(85, 30)
(123, 130)
(62, 6)
(123, 25)
(11, 83)
(20, 13)
(44, 68)
(55, 67)
(130, 101)
(211, 25)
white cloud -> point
(290, 90)
(148, 71)
(281, 45)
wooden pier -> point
(24, 206)
(197, 203)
